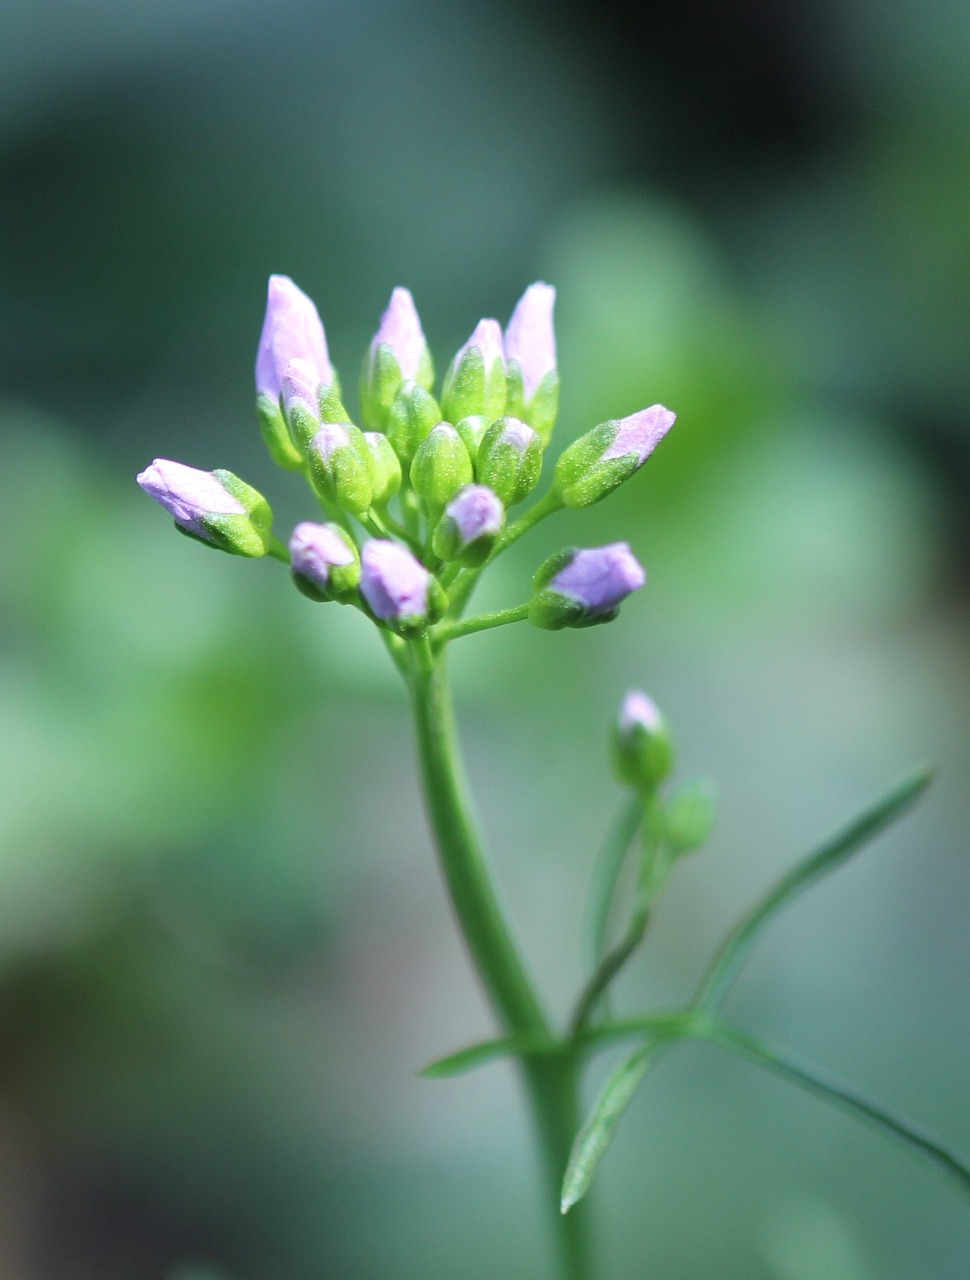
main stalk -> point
(551, 1080)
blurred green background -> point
(224, 951)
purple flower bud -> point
(637, 710)
(529, 338)
(581, 588)
(488, 339)
(599, 578)
(324, 561)
(291, 331)
(214, 506)
(189, 495)
(400, 329)
(476, 511)
(643, 752)
(640, 433)
(393, 582)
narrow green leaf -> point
(606, 873)
(735, 949)
(485, 1051)
(847, 1099)
(597, 1133)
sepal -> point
(510, 460)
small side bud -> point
(598, 462)
(530, 355)
(340, 467)
(510, 460)
(215, 507)
(471, 523)
(441, 466)
(398, 353)
(689, 818)
(410, 419)
(643, 752)
(324, 562)
(301, 404)
(385, 471)
(475, 381)
(398, 589)
(580, 588)
(472, 431)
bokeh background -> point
(224, 951)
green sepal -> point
(240, 534)
(331, 406)
(345, 477)
(385, 468)
(343, 579)
(553, 611)
(410, 419)
(542, 410)
(642, 757)
(688, 818)
(441, 466)
(472, 430)
(470, 389)
(582, 477)
(381, 379)
(276, 434)
(510, 472)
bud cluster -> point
(430, 476)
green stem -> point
(551, 1082)
(483, 622)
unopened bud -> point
(510, 460)
(472, 431)
(475, 381)
(530, 355)
(441, 466)
(689, 817)
(398, 354)
(399, 590)
(410, 419)
(340, 467)
(579, 588)
(598, 462)
(324, 561)
(643, 752)
(214, 507)
(471, 523)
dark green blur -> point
(224, 949)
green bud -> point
(643, 752)
(410, 419)
(398, 354)
(385, 468)
(340, 467)
(325, 562)
(475, 382)
(510, 460)
(472, 431)
(469, 527)
(276, 435)
(441, 466)
(689, 818)
(598, 462)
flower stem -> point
(551, 1081)
(481, 622)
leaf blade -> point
(736, 948)
(483, 1052)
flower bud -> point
(643, 753)
(385, 471)
(471, 523)
(301, 404)
(595, 464)
(410, 419)
(215, 507)
(397, 587)
(475, 381)
(324, 561)
(689, 817)
(340, 467)
(441, 466)
(398, 353)
(510, 460)
(579, 588)
(530, 356)
(291, 331)
(472, 431)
